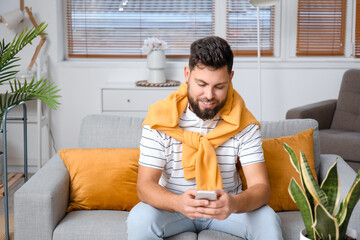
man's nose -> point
(209, 93)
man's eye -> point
(219, 87)
(201, 85)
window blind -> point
(321, 27)
(117, 29)
(242, 28)
(357, 30)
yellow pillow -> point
(102, 178)
(280, 169)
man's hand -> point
(188, 205)
(219, 209)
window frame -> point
(69, 56)
(292, 9)
(284, 40)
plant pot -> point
(156, 64)
(351, 233)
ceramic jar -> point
(156, 62)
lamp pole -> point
(258, 4)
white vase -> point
(156, 64)
(349, 232)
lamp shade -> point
(13, 18)
(263, 3)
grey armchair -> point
(339, 120)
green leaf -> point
(310, 182)
(9, 51)
(298, 196)
(348, 205)
(330, 186)
(293, 158)
(325, 224)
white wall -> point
(286, 83)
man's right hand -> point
(187, 204)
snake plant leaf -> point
(330, 186)
(325, 224)
(293, 158)
(298, 196)
(295, 163)
(349, 203)
(310, 182)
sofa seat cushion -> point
(91, 225)
(102, 224)
(343, 143)
(291, 224)
(215, 235)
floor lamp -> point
(258, 4)
(13, 18)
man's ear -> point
(186, 73)
(231, 75)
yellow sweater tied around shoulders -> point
(198, 154)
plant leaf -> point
(310, 182)
(325, 224)
(330, 186)
(8, 51)
(293, 158)
(298, 196)
(348, 205)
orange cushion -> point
(281, 170)
(102, 178)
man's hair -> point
(212, 52)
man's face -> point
(207, 90)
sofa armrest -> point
(322, 112)
(347, 176)
(41, 202)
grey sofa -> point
(339, 120)
(40, 204)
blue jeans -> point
(147, 222)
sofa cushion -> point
(110, 131)
(102, 224)
(215, 235)
(343, 143)
(275, 129)
(280, 168)
(102, 178)
(92, 225)
(291, 224)
(347, 113)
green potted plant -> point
(323, 217)
(29, 90)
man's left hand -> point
(218, 209)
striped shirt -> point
(159, 150)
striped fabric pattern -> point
(159, 150)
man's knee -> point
(271, 224)
(140, 222)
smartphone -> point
(209, 195)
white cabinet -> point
(129, 99)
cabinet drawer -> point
(131, 100)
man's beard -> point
(205, 114)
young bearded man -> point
(192, 141)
